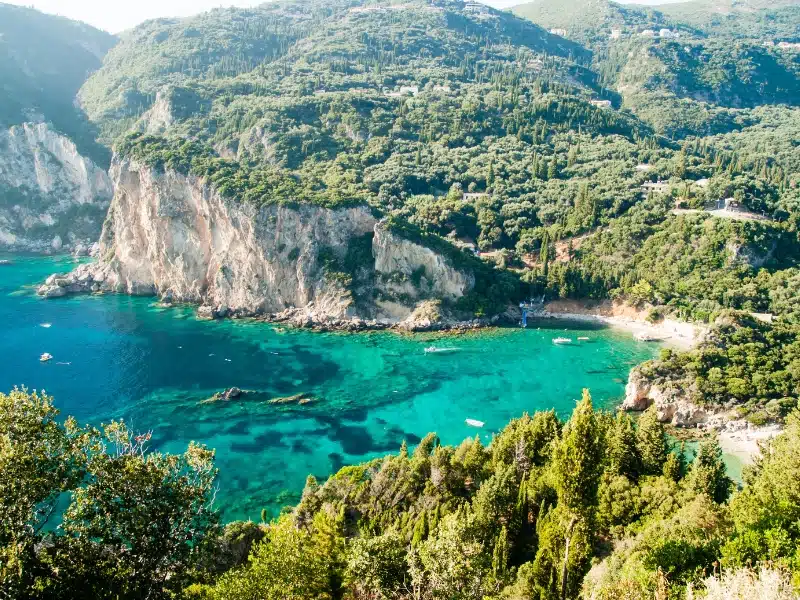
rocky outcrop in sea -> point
(670, 401)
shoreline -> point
(676, 334)
(743, 444)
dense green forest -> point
(599, 506)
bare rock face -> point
(51, 197)
(670, 403)
(176, 237)
(409, 270)
(637, 392)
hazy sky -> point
(118, 15)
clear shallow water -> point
(128, 358)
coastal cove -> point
(121, 357)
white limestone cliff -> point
(176, 237)
(51, 197)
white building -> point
(648, 33)
(616, 34)
(668, 34)
(561, 32)
(601, 103)
(475, 8)
(659, 187)
(406, 90)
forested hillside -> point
(44, 61)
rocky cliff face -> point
(176, 237)
(51, 197)
(671, 404)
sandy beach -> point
(743, 444)
(677, 334)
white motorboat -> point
(474, 423)
(437, 350)
(45, 357)
(562, 340)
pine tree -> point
(623, 454)
(707, 474)
(329, 542)
(577, 460)
(672, 467)
(651, 440)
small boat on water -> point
(474, 423)
(45, 357)
(583, 339)
(562, 340)
(437, 350)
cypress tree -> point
(420, 530)
(500, 555)
(552, 170)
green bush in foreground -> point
(548, 510)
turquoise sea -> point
(121, 357)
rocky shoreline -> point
(91, 279)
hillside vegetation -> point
(595, 507)
(44, 61)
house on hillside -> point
(789, 45)
(601, 103)
(558, 31)
(668, 34)
(732, 204)
(472, 196)
(405, 90)
(649, 33)
(658, 187)
(616, 34)
(476, 8)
